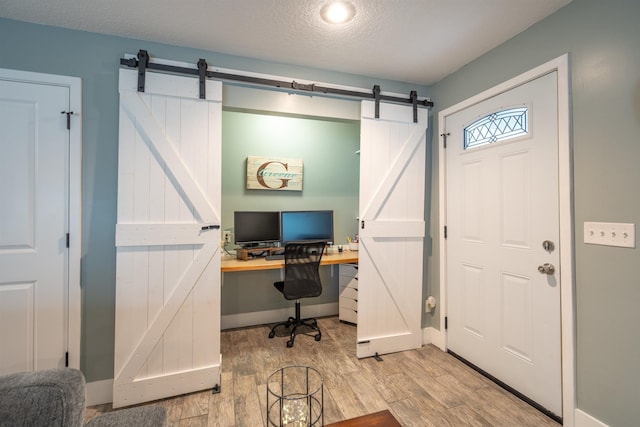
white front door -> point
(392, 227)
(502, 205)
(168, 239)
(34, 221)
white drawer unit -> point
(349, 292)
(348, 302)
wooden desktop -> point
(229, 264)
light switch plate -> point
(610, 234)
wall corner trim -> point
(582, 419)
(433, 336)
(99, 392)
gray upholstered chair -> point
(57, 397)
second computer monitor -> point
(306, 225)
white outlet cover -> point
(610, 234)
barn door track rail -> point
(143, 63)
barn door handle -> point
(210, 227)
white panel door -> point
(502, 204)
(34, 168)
(392, 227)
(168, 239)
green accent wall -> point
(331, 169)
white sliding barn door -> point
(168, 261)
(392, 227)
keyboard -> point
(274, 257)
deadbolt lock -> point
(548, 246)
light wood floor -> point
(423, 387)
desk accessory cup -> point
(353, 243)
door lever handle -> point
(547, 268)
(210, 227)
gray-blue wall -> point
(96, 59)
(603, 40)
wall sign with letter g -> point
(274, 174)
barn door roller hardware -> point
(143, 64)
(202, 77)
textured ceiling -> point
(416, 41)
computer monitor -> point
(256, 228)
(306, 225)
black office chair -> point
(301, 280)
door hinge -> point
(362, 224)
(69, 114)
(444, 139)
(446, 323)
(445, 231)
(66, 359)
(68, 239)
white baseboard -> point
(241, 320)
(433, 336)
(585, 420)
(99, 392)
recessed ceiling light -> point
(338, 12)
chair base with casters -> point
(297, 322)
(301, 280)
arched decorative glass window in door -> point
(498, 126)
